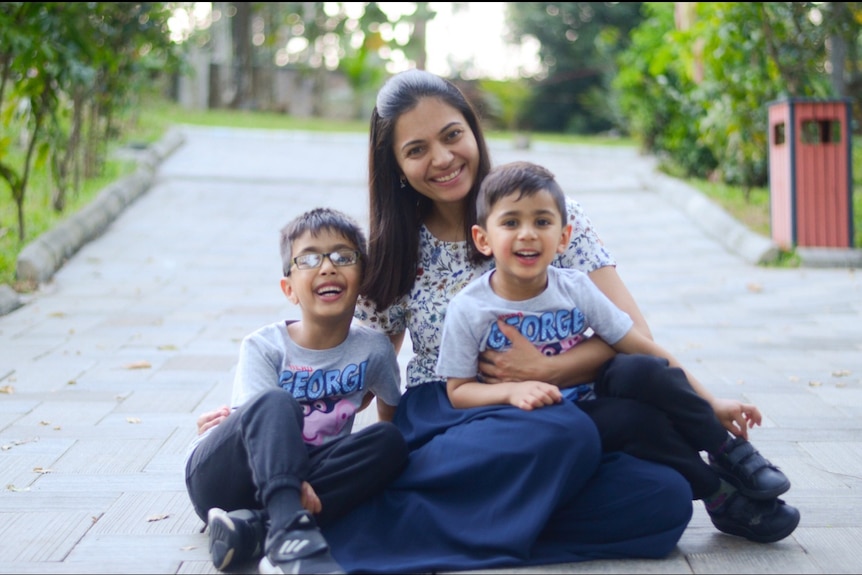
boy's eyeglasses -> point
(338, 258)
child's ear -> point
(564, 239)
(480, 238)
(287, 289)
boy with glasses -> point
(282, 459)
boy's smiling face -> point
(327, 292)
(524, 235)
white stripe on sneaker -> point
(291, 546)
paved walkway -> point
(104, 370)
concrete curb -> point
(753, 247)
(716, 222)
(830, 257)
(40, 259)
(10, 300)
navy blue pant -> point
(650, 410)
(259, 449)
(498, 486)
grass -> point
(145, 126)
(150, 122)
(755, 215)
(40, 217)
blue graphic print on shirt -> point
(307, 385)
(540, 329)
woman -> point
(491, 486)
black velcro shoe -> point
(758, 521)
(235, 536)
(300, 548)
(742, 466)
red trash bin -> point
(811, 173)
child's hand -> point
(212, 418)
(737, 417)
(309, 499)
(529, 395)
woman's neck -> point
(446, 222)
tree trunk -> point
(242, 49)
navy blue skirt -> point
(499, 486)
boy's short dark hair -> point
(526, 178)
(318, 220)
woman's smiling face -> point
(436, 150)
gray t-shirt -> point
(569, 310)
(329, 383)
(443, 269)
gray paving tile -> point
(115, 436)
(42, 537)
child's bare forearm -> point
(385, 412)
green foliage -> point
(66, 69)
(579, 44)
(655, 86)
(40, 216)
(505, 101)
(697, 90)
(740, 78)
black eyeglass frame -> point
(353, 257)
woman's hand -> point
(737, 417)
(212, 418)
(521, 362)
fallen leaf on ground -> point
(143, 364)
(12, 488)
(8, 389)
(813, 383)
(8, 446)
(133, 419)
(754, 287)
(841, 373)
(43, 470)
(157, 517)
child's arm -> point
(366, 401)
(385, 412)
(526, 395)
(736, 416)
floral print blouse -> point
(445, 268)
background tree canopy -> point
(689, 80)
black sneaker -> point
(759, 521)
(235, 536)
(742, 466)
(300, 548)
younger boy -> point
(284, 460)
(521, 222)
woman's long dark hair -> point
(396, 213)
